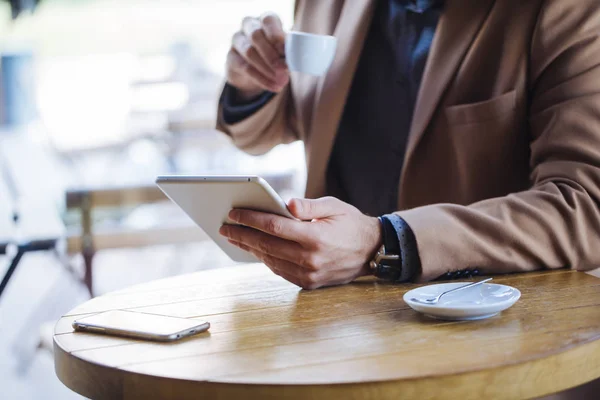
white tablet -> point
(207, 200)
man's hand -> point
(330, 245)
(255, 62)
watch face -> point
(386, 266)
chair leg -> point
(87, 241)
(88, 259)
(11, 268)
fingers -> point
(255, 62)
(243, 46)
(307, 209)
(286, 269)
(264, 243)
(273, 29)
(253, 30)
(274, 225)
(241, 67)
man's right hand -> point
(255, 62)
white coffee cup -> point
(309, 53)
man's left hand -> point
(331, 243)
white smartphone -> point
(140, 325)
(207, 200)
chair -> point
(26, 226)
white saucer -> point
(480, 302)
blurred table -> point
(95, 191)
(269, 339)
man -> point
(470, 127)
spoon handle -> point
(470, 285)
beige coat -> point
(502, 170)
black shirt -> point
(366, 159)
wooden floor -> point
(41, 291)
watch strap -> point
(388, 261)
(390, 237)
(393, 262)
(407, 242)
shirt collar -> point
(420, 6)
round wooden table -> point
(269, 339)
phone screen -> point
(136, 322)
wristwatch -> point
(388, 263)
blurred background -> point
(97, 97)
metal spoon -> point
(434, 300)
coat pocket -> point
(483, 111)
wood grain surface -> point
(269, 339)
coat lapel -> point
(458, 26)
(351, 32)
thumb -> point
(308, 209)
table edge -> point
(578, 365)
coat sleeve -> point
(273, 124)
(556, 223)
